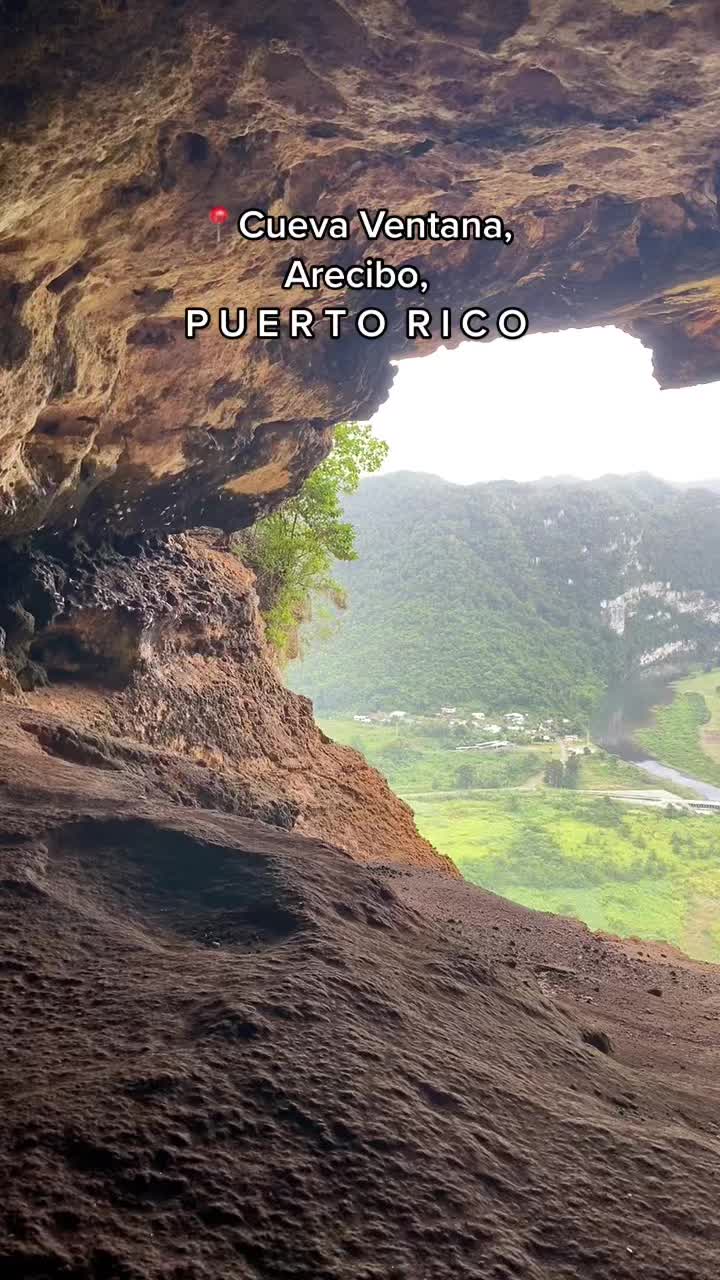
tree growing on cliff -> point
(292, 551)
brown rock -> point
(598, 1039)
(155, 675)
(592, 129)
(229, 1051)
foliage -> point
(559, 775)
(466, 777)
(674, 737)
(601, 770)
(414, 758)
(686, 734)
(554, 773)
(572, 771)
(651, 873)
(292, 551)
(489, 596)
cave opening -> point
(530, 649)
(582, 403)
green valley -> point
(484, 625)
(635, 873)
(644, 870)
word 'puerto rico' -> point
(299, 322)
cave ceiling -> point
(592, 129)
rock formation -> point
(231, 1050)
(592, 129)
(150, 662)
(231, 1053)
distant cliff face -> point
(687, 618)
(517, 595)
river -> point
(627, 707)
(705, 790)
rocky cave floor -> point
(229, 1050)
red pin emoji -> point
(218, 216)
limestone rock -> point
(592, 129)
(151, 669)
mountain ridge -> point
(504, 594)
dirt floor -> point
(230, 1051)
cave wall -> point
(146, 663)
(591, 128)
(232, 1052)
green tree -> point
(554, 773)
(465, 777)
(292, 551)
(572, 771)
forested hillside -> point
(526, 597)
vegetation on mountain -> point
(491, 596)
(293, 550)
(494, 598)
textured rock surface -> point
(151, 668)
(592, 128)
(232, 1054)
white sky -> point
(579, 403)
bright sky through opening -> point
(580, 403)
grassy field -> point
(635, 873)
(707, 685)
(603, 772)
(415, 762)
(686, 734)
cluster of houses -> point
(384, 717)
(515, 727)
